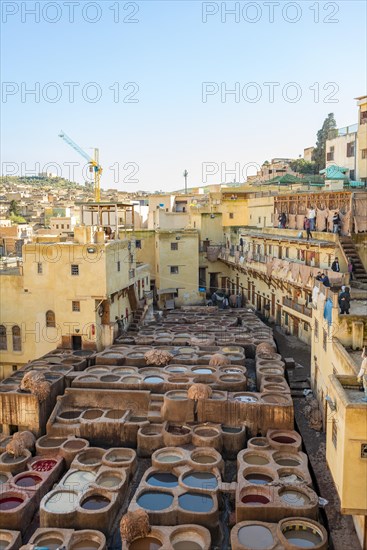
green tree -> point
(14, 208)
(15, 218)
(302, 166)
(319, 153)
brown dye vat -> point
(258, 479)
(178, 430)
(255, 500)
(74, 445)
(287, 461)
(69, 415)
(147, 543)
(283, 439)
(92, 414)
(258, 460)
(95, 502)
(187, 545)
(115, 414)
(51, 442)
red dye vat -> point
(28, 481)
(255, 499)
(283, 439)
(43, 465)
(9, 503)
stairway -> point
(350, 251)
(137, 317)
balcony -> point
(303, 309)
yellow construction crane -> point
(93, 163)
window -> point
(62, 226)
(75, 306)
(3, 342)
(330, 155)
(270, 249)
(39, 268)
(259, 219)
(14, 368)
(16, 337)
(324, 339)
(174, 246)
(316, 329)
(350, 149)
(131, 273)
(50, 319)
(138, 243)
(352, 175)
(364, 153)
(363, 117)
(334, 432)
(174, 269)
(119, 266)
(231, 215)
(74, 269)
(306, 327)
(287, 252)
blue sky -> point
(168, 54)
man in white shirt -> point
(312, 218)
(362, 375)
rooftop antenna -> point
(185, 174)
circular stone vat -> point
(256, 459)
(284, 439)
(49, 541)
(90, 457)
(74, 445)
(92, 414)
(62, 502)
(3, 479)
(292, 497)
(168, 457)
(302, 533)
(246, 398)
(256, 478)
(176, 369)
(28, 480)
(52, 442)
(109, 378)
(131, 379)
(79, 480)
(200, 480)
(203, 370)
(10, 502)
(162, 479)
(255, 499)
(287, 461)
(258, 442)
(196, 502)
(202, 458)
(69, 415)
(154, 500)
(115, 414)
(290, 477)
(119, 455)
(146, 543)
(43, 465)
(178, 430)
(153, 380)
(109, 480)
(256, 537)
(95, 502)
(178, 395)
(231, 430)
(206, 432)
